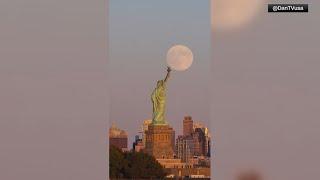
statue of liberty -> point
(158, 98)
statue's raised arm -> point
(168, 74)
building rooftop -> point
(115, 132)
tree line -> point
(133, 165)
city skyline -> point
(188, 155)
(138, 130)
(114, 126)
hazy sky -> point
(141, 32)
(266, 94)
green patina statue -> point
(158, 98)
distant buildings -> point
(118, 138)
(187, 126)
(145, 125)
(193, 147)
(173, 139)
(184, 147)
(191, 153)
(186, 156)
(138, 144)
(206, 137)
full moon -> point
(179, 58)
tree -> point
(134, 165)
(117, 163)
(142, 165)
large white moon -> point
(179, 58)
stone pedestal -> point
(159, 141)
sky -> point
(140, 34)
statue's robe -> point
(158, 98)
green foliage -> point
(134, 165)
(117, 162)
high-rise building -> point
(195, 142)
(199, 142)
(173, 139)
(206, 140)
(144, 128)
(137, 145)
(187, 126)
(184, 148)
(118, 138)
